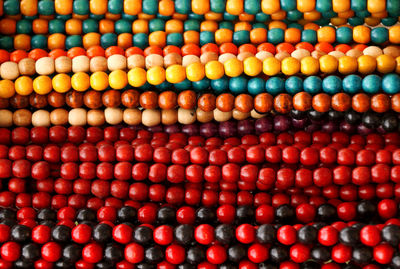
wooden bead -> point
(92, 99)
(56, 99)
(6, 118)
(116, 62)
(77, 117)
(393, 51)
(255, 115)
(317, 54)
(154, 60)
(74, 99)
(37, 100)
(262, 55)
(41, 118)
(95, 117)
(113, 115)
(151, 117)
(22, 117)
(9, 70)
(4, 103)
(186, 116)
(189, 59)
(300, 54)
(208, 57)
(80, 63)
(225, 57)
(238, 115)
(136, 60)
(63, 64)
(373, 51)
(98, 63)
(169, 116)
(243, 55)
(26, 67)
(45, 66)
(204, 116)
(111, 98)
(130, 98)
(354, 53)
(337, 54)
(59, 116)
(282, 55)
(132, 116)
(171, 59)
(19, 101)
(222, 116)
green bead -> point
(96, 17)
(352, 84)
(193, 16)
(150, 7)
(238, 85)
(295, 25)
(39, 42)
(389, 21)
(312, 84)
(11, 7)
(115, 6)
(391, 83)
(108, 40)
(122, 26)
(140, 40)
(46, 7)
(90, 26)
(288, 5)
(323, 5)
(81, 7)
(275, 85)
(183, 6)
(393, 8)
(128, 17)
(73, 41)
(262, 17)
(293, 85)
(344, 35)
(241, 37)
(309, 36)
(255, 86)
(207, 37)
(260, 25)
(63, 17)
(6, 43)
(175, 39)
(156, 25)
(164, 86)
(363, 14)
(253, 6)
(276, 36)
(294, 15)
(226, 25)
(371, 84)
(354, 21)
(379, 35)
(191, 25)
(358, 5)
(332, 84)
(230, 17)
(220, 85)
(184, 85)
(217, 6)
(201, 85)
(24, 27)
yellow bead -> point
(7, 89)
(214, 70)
(385, 63)
(271, 66)
(137, 77)
(233, 67)
(290, 66)
(366, 64)
(99, 81)
(309, 66)
(347, 65)
(61, 83)
(23, 85)
(195, 71)
(118, 79)
(252, 66)
(80, 81)
(42, 85)
(175, 73)
(156, 75)
(328, 64)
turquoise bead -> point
(293, 85)
(6, 43)
(238, 85)
(329, 14)
(162, 17)
(46, 7)
(276, 36)
(24, 27)
(309, 36)
(393, 8)
(115, 6)
(207, 37)
(371, 84)
(145, 87)
(323, 21)
(358, 5)
(363, 14)
(332, 84)
(220, 85)
(96, 17)
(217, 6)
(379, 35)
(90, 26)
(230, 17)
(81, 7)
(156, 25)
(122, 26)
(164, 86)
(275, 85)
(201, 85)
(391, 83)
(108, 40)
(352, 84)
(175, 39)
(39, 42)
(262, 17)
(140, 40)
(312, 84)
(63, 17)
(193, 16)
(226, 25)
(344, 35)
(57, 26)
(260, 25)
(255, 86)
(73, 41)
(294, 15)
(150, 7)
(389, 21)
(191, 25)
(288, 5)
(31, 18)
(354, 21)
(241, 37)
(184, 85)
(323, 5)
(11, 7)
(182, 6)
(295, 25)
(128, 17)
(252, 6)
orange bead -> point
(258, 35)
(167, 100)
(326, 34)
(36, 54)
(277, 24)
(133, 50)
(187, 99)
(200, 7)
(287, 47)
(132, 7)
(18, 55)
(225, 102)
(263, 102)
(191, 37)
(125, 40)
(73, 27)
(95, 51)
(234, 7)
(346, 14)
(4, 56)
(113, 17)
(142, 16)
(360, 47)
(22, 42)
(210, 26)
(380, 103)
(158, 38)
(171, 49)
(361, 34)
(209, 47)
(166, 7)
(148, 100)
(8, 26)
(40, 26)
(324, 47)
(244, 103)
(342, 48)
(341, 102)
(153, 50)
(305, 45)
(98, 7)
(396, 102)
(302, 101)
(106, 26)
(63, 7)
(321, 102)
(114, 50)
(207, 102)
(228, 48)
(278, 16)
(190, 49)
(140, 26)
(292, 35)
(247, 48)
(311, 26)
(76, 51)
(212, 16)
(174, 26)
(223, 36)
(90, 40)
(360, 102)
(242, 26)
(57, 53)
(246, 17)
(340, 5)
(30, 7)
(312, 15)
(270, 6)
(267, 47)
(305, 5)
(283, 103)
(56, 41)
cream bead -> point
(222, 116)
(113, 115)
(136, 60)
(254, 114)
(204, 116)
(77, 117)
(132, 116)
(41, 118)
(189, 59)
(154, 60)
(393, 51)
(116, 62)
(225, 57)
(98, 63)
(22, 117)
(95, 117)
(80, 63)
(243, 55)
(373, 51)
(282, 55)
(6, 118)
(45, 66)
(171, 59)
(317, 54)
(354, 53)
(186, 116)
(26, 67)
(151, 117)
(208, 57)
(59, 116)
(238, 115)
(262, 55)
(337, 54)
(63, 64)
(300, 54)
(169, 116)
(9, 70)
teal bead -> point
(230, 17)
(31, 18)
(354, 21)
(122, 26)
(255, 86)
(323, 21)
(63, 17)
(241, 37)
(11, 7)
(73, 41)
(238, 85)
(207, 37)
(226, 25)
(39, 42)
(193, 16)
(128, 17)
(191, 25)
(175, 39)
(309, 36)
(262, 17)
(294, 15)
(46, 7)
(293, 85)
(312, 84)
(363, 14)
(393, 8)
(164, 86)
(391, 83)
(146, 87)
(352, 84)
(371, 84)
(140, 40)
(184, 85)
(81, 7)
(288, 5)
(389, 21)
(108, 40)
(332, 84)
(57, 26)
(217, 6)
(150, 7)
(220, 85)
(253, 6)
(115, 6)
(183, 6)
(358, 5)
(90, 26)
(275, 85)
(295, 25)
(156, 25)
(162, 17)
(260, 25)
(6, 43)
(24, 27)
(329, 14)
(323, 5)
(96, 17)
(344, 35)
(379, 35)
(201, 85)
(276, 36)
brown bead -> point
(396, 102)
(19, 101)
(360, 102)
(149, 100)
(187, 99)
(225, 102)
(302, 101)
(321, 102)
(130, 98)
(244, 103)
(74, 99)
(206, 102)
(111, 98)
(4, 102)
(380, 103)
(283, 103)
(167, 100)
(263, 102)
(56, 99)
(22, 117)
(92, 99)
(341, 102)
(37, 100)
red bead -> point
(216, 254)
(299, 253)
(204, 234)
(163, 235)
(327, 236)
(383, 253)
(258, 253)
(134, 253)
(341, 253)
(370, 235)
(175, 254)
(41, 234)
(287, 235)
(122, 233)
(92, 253)
(81, 233)
(51, 252)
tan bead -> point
(154, 60)
(45, 66)
(22, 117)
(373, 51)
(80, 63)
(208, 57)
(171, 59)
(98, 63)
(222, 116)
(337, 54)
(77, 117)
(6, 118)
(113, 115)
(189, 59)
(225, 57)
(116, 62)
(354, 53)
(238, 115)
(186, 116)
(300, 54)
(26, 67)
(317, 54)
(169, 116)
(95, 117)
(59, 116)
(132, 116)
(262, 55)
(204, 116)
(63, 64)
(254, 114)
(151, 117)
(282, 55)
(243, 55)
(136, 60)
(393, 51)
(41, 118)
(9, 70)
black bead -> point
(284, 214)
(184, 234)
(318, 225)
(62, 264)
(366, 209)
(362, 255)
(102, 233)
(395, 264)
(166, 215)
(245, 214)
(127, 214)
(205, 215)
(224, 233)
(20, 233)
(113, 253)
(236, 253)
(298, 114)
(143, 235)
(358, 225)
(195, 255)
(86, 214)
(278, 253)
(350, 266)
(72, 253)
(371, 119)
(145, 266)
(9, 222)
(186, 266)
(265, 265)
(349, 236)
(315, 115)
(391, 234)
(390, 122)
(104, 265)
(266, 234)
(30, 252)
(6, 213)
(326, 212)
(307, 234)
(352, 117)
(310, 265)
(334, 115)
(23, 264)
(46, 214)
(320, 254)
(61, 233)
(154, 254)
(49, 223)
